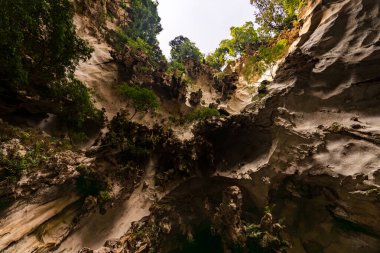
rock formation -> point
(195, 97)
(304, 150)
(296, 172)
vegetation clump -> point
(75, 106)
(140, 33)
(145, 20)
(184, 50)
(38, 42)
(25, 150)
(133, 145)
(274, 16)
(202, 114)
(16, 164)
(185, 56)
(143, 99)
(263, 87)
(259, 52)
(91, 183)
(39, 50)
(259, 48)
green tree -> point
(265, 58)
(218, 58)
(39, 50)
(244, 40)
(143, 99)
(38, 43)
(141, 32)
(260, 47)
(145, 21)
(183, 50)
(75, 107)
(176, 68)
(276, 15)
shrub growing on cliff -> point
(135, 45)
(25, 150)
(202, 113)
(145, 21)
(75, 107)
(176, 69)
(244, 40)
(185, 57)
(258, 50)
(143, 99)
(264, 58)
(90, 182)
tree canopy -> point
(39, 50)
(259, 46)
(143, 99)
(274, 16)
(38, 43)
(244, 40)
(145, 21)
(217, 59)
(184, 50)
(142, 30)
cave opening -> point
(204, 22)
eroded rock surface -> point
(311, 147)
(308, 153)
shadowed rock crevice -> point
(235, 140)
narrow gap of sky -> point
(205, 22)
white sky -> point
(205, 22)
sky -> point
(205, 22)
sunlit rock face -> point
(325, 111)
(328, 89)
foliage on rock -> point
(39, 52)
(143, 99)
(38, 42)
(202, 114)
(133, 145)
(273, 16)
(183, 50)
(139, 35)
(217, 59)
(259, 47)
(91, 183)
(185, 57)
(75, 107)
(145, 21)
(27, 149)
(25, 152)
